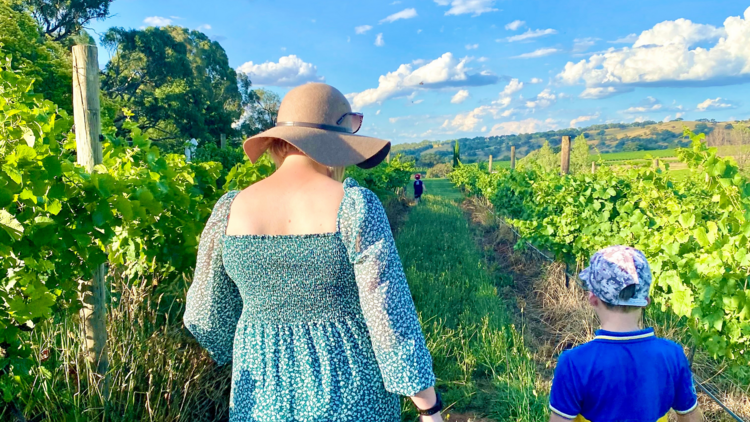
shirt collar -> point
(623, 336)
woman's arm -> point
(425, 399)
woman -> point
(299, 283)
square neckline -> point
(336, 233)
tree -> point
(62, 18)
(260, 108)
(43, 60)
(456, 154)
(546, 158)
(176, 82)
(579, 155)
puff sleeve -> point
(385, 299)
(213, 305)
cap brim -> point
(333, 149)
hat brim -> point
(333, 149)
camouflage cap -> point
(614, 268)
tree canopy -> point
(176, 82)
(47, 62)
(62, 18)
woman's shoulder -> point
(355, 193)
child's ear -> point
(593, 300)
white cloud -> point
(362, 29)
(668, 118)
(289, 71)
(443, 72)
(666, 55)
(628, 39)
(379, 40)
(204, 27)
(469, 120)
(646, 106)
(417, 101)
(580, 119)
(522, 126)
(404, 14)
(482, 59)
(419, 31)
(461, 7)
(472, 46)
(583, 44)
(531, 33)
(717, 103)
(678, 115)
(536, 80)
(513, 86)
(515, 25)
(537, 53)
(484, 129)
(460, 97)
(679, 32)
(545, 99)
(157, 21)
(595, 93)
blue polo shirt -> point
(633, 377)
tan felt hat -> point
(315, 118)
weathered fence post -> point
(593, 167)
(86, 112)
(656, 164)
(490, 167)
(513, 157)
(223, 143)
(565, 155)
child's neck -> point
(620, 322)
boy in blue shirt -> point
(418, 188)
(625, 373)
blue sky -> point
(443, 69)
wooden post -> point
(593, 167)
(490, 168)
(656, 164)
(223, 141)
(565, 155)
(512, 157)
(86, 106)
(89, 150)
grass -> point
(480, 358)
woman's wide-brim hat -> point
(313, 118)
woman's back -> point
(296, 199)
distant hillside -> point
(606, 138)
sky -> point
(445, 69)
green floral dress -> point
(319, 327)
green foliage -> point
(694, 232)
(140, 211)
(62, 18)
(456, 154)
(177, 83)
(260, 108)
(543, 159)
(439, 170)
(46, 62)
(579, 155)
(386, 179)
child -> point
(418, 187)
(624, 373)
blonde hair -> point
(279, 149)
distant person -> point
(299, 284)
(418, 187)
(625, 373)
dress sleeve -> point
(213, 305)
(387, 305)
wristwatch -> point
(434, 409)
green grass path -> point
(479, 357)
